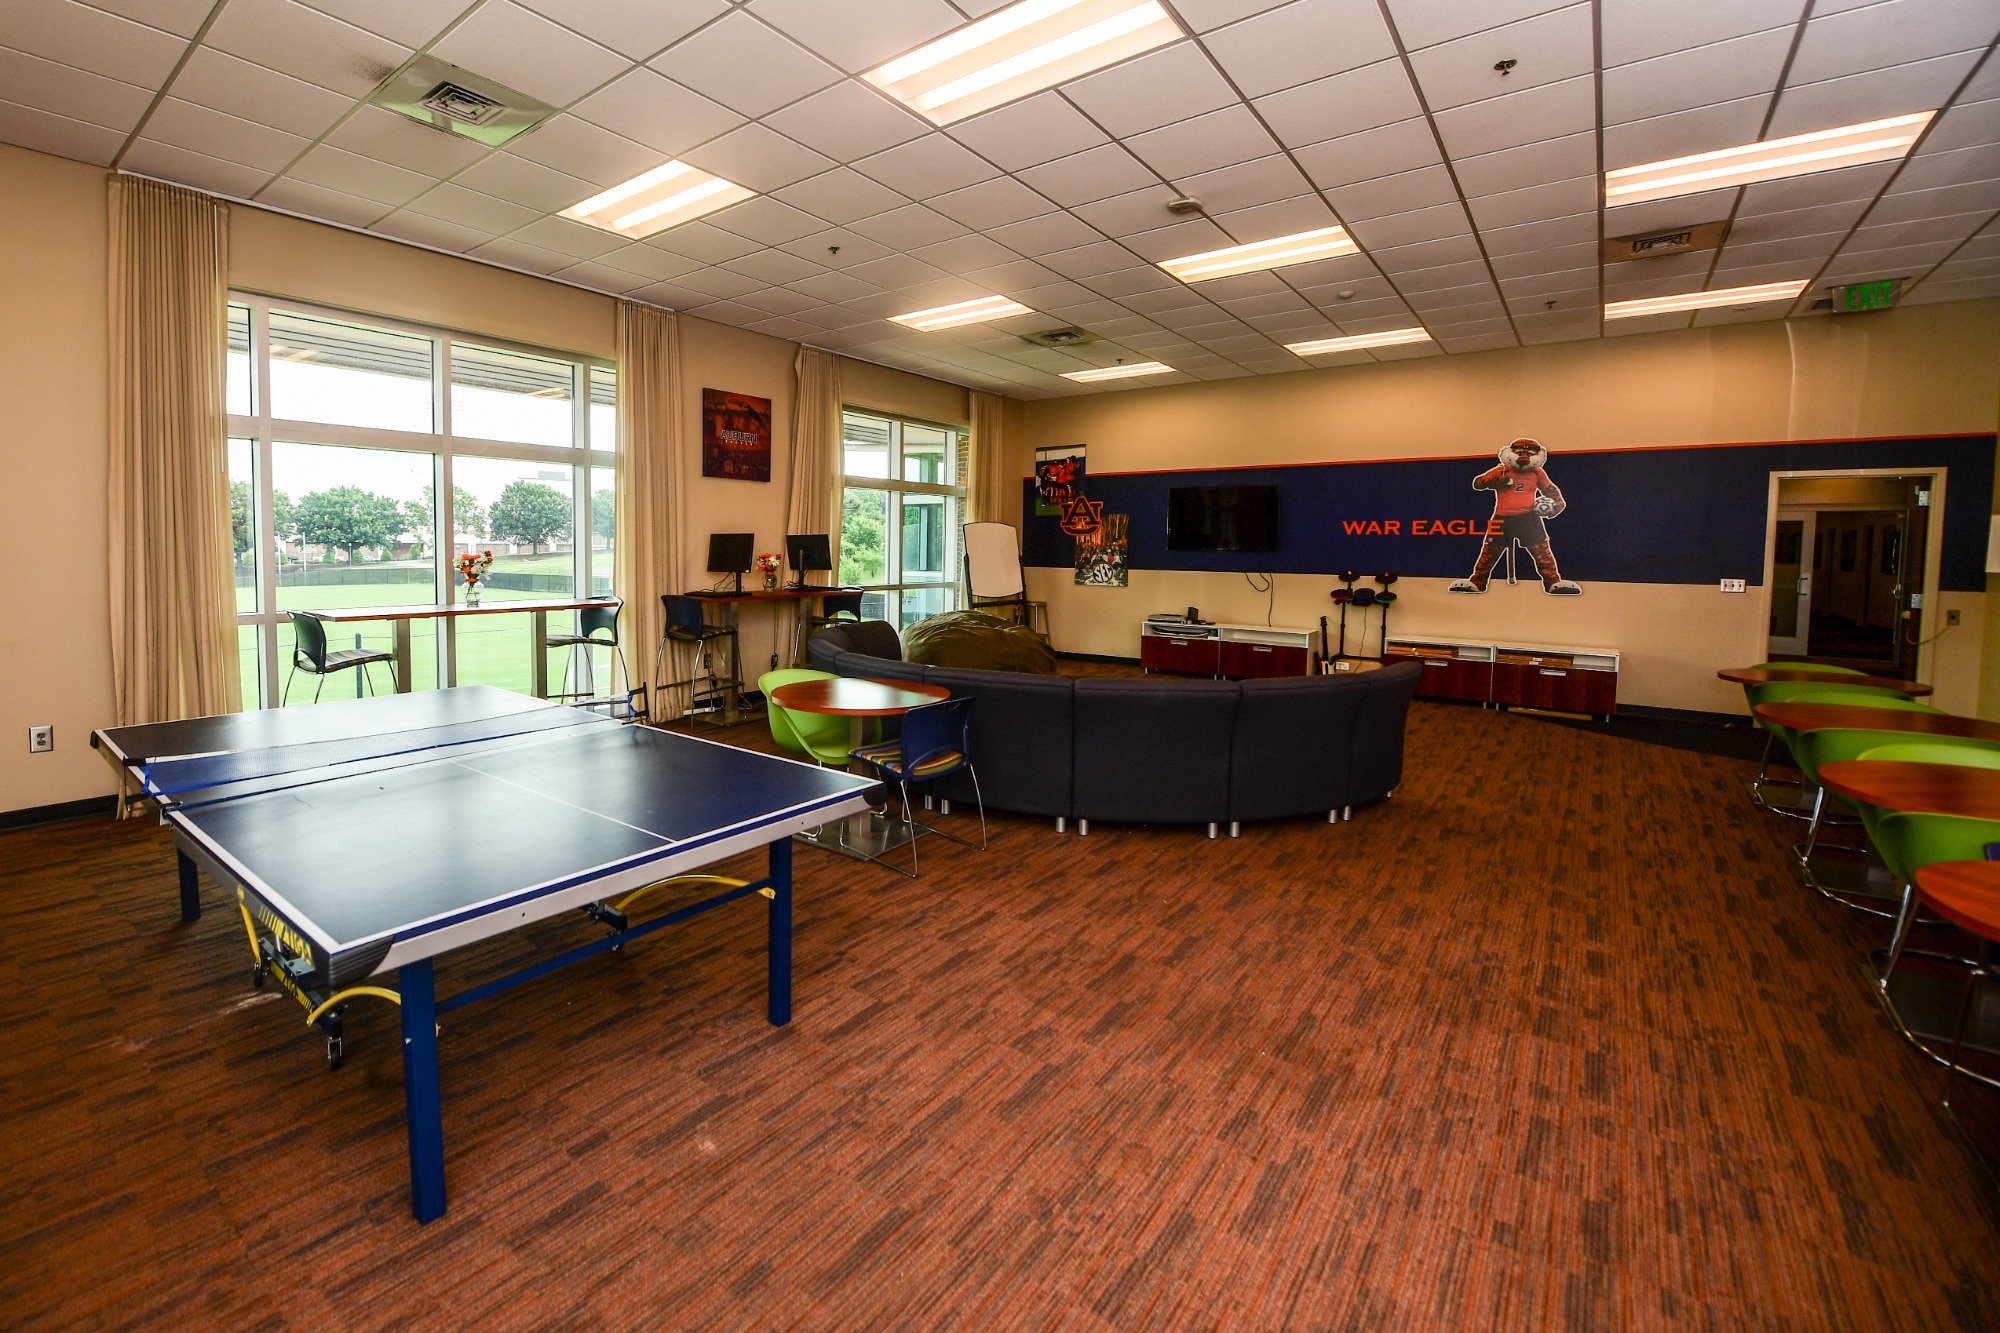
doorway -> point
(1847, 571)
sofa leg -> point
(1211, 831)
(1083, 828)
(1347, 813)
(1235, 828)
(944, 806)
(1333, 816)
(1062, 825)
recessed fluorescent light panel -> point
(1667, 305)
(1299, 248)
(965, 312)
(1358, 341)
(1019, 50)
(1117, 372)
(664, 197)
(1799, 155)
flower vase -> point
(472, 593)
(770, 583)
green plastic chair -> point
(821, 737)
(1962, 750)
(1758, 783)
(1909, 841)
(1831, 745)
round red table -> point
(1778, 675)
(1812, 717)
(857, 699)
(1931, 789)
(1965, 893)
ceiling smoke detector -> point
(1184, 205)
(1069, 337)
(436, 93)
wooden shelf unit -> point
(1506, 674)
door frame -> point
(1808, 520)
(1933, 546)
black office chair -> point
(935, 742)
(687, 622)
(838, 606)
(310, 655)
(596, 627)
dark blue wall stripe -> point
(1635, 515)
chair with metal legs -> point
(1911, 842)
(1968, 896)
(596, 627)
(835, 608)
(311, 655)
(1813, 750)
(686, 621)
(1763, 780)
(1783, 692)
(935, 741)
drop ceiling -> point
(1475, 194)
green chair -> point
(821, 737)
(1812, 692)
(1962, 750)
(1784, 691)
(1828, 745)
(1909, 841)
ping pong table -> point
(371, 836)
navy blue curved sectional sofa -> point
(1153, 751)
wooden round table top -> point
(1965, 893)
(1783, 675)
(1931, 789)
(851, 697)
(1812, 717)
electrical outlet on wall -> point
(41, 740)
(1951, 616)
(1733, 585)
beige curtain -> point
(813, 502)
(651, 492)
(173, 592)
(987, 491)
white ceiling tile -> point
(964, 254)
(523, 50)
(1535, 289)
(1547, 48)
(1157, 89)
(1282, 217)
(1487, 342)
(1810, 251)
(75, 93)
(1894, 33)
(1655, 277)
(1423, 23)
(411, 23)
(847, 121)
(1194, 237)
(1137, 211)
(1918, 231)
(1016, 275)
(1262, 181)
(1850, 264)
(1089, 260)
(224, 83)
(90, 39)
(436, 232)
(907, 227)
(1922, 85)
(1937, 288)
(1095, 173)
(350, 173)
(183, 18)
(1547, 112)
(200, 130)
(992, 203)
(657, 112)
(761, 159)
(581, 149)
(852, 249)
(1662, 214)
(1533, 164)
(150, 157)
(1046, 234)
(522, 255)
(649, 262)
(859, 37)
(1754, 228)
(1965, 126)
(1387, 150)
(306, 44)
(400, 141)
(1639, 29)
(566, 237)
(898, 271)
(783, 326)
(767, 220)
(1433, 264)
(670, 295)
(527, 184)
(774, 267)
(1721, 72)
(1553, 259)
(634, 30)
(698, 240)
(1702, 130)
(1040, 129)
(1818, 189)
(718, 62)
(1572, 230)
(454, 203)
(841, 196)
(1300, 42)
(828, 286)
(1361, 99)
(1971, 197)
(1422, 224)
(1535, 204)
(1931, 171)
(929, 166)
(1402, 193)
(316, 201)
(1205, 143)
(596, 276)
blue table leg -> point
(423, 1109)
(190, 887)
(778, 986)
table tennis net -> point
(205, 779)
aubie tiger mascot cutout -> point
(1523, 499)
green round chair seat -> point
(821, 737)
(1961, 750)
(1909, 841)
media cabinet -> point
(1565, 680)
(1245, 652)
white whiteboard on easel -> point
(992, 560)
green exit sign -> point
(1856, 297)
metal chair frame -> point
(918, 721)
(685, 620)
(310, 654)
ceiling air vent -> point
(1070, 337)
(1655, 244)
(457, 101)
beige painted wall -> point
(1921, 370)
(54, 643)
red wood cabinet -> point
(1261, 660)
(1568, 689)
(1456, 678)
(1569, 680)
(1160, 652)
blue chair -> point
(596, 627)
(686, 621)
(934, 742)
(310, 655)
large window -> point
(899, 525)
(365, 454)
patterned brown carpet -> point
(1553, 1039)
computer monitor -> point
(731, 553)
(806, 553)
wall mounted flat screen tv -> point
(1222, 518)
